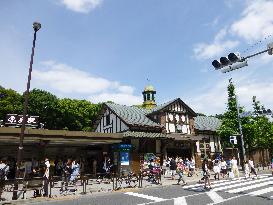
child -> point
(247, 172)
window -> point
(148, 96)
(108, 119)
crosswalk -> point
(221, 191)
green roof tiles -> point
(204, 123)
(133, 115)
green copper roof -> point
(133, 115)
(149, 88)
(204, 123)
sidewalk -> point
(94, 188)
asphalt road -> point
(244, 191)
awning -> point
(10, 135)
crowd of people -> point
(69, 169)
(172, 166)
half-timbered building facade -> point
(170, 129)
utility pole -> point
(240, 130)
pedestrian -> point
(206, 174)
(223, 168)
(179, 170)
(28, 169)
(234, 167)
(173, 167)
(252, 168)
(66, 173)
(216, 169)
(75, 172)
(4, 169)
(272, 165)
(246, 168)
(46, 176)
(191, 167)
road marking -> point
(216, 198)
(221, 183)
(173, 199)
(261, 191)
(180, 201)
(241, 184)
(249, 187)
(153, 198)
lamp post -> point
(36, 27)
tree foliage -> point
(55, 113)
(10, 102)
(230, 123)
(257, 129)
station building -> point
(170, 129)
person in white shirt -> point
(223, 168)
(4, 169)
(46, 176)
(234, 167)
(251, 166)
(246, 168)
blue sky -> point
(106, 49)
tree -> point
(77, 114)
(44, 104)
(259, 132)
(230, 125)
(11, 102)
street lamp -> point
(36, 27)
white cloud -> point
(65, 80)
(256, 21)
(213, 99)
(82, 6)
(218, 47)
(120, 98)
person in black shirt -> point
(173, 167)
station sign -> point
(17, 120)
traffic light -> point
(234, 57)
(216, 64)
(225, 61)
(234, 66)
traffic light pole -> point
(241, 131)
(255, 54)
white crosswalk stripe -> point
(180, 201)
(144, 196)
(261, 191)
(223, 182)
(216, 198)
(241, 184)
(250, 187)
(263, 186)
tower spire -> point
(149, 97)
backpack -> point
(3, 173)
